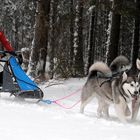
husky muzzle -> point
(135, 96)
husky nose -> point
(136, 92)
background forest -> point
(70, 35)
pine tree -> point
(40, 36)
(136, 41)
(91, 44)
(78, 40)
(113, 39)
(52, 36)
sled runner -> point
(15, 80)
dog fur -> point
(109, 90)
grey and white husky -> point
(109, 90)
(136, 100)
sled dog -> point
(136, 100)
(118, 90)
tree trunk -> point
(113, 39)
(71, 35)
(91, 44)
(40, 35)
(136, 44)
(78, 40)
(52, 36)
(16, 35)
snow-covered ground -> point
(28, 121)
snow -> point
(25, 49)
(30, 121)
(91, 8)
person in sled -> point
(13, 79)
(7, 47)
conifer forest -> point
(63, 38)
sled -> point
(16, 82)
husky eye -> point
(131, 85)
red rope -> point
(68, 95)
(65, 106)
(56, 101)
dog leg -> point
(100, 108)
(135, 109)
(127, 111)
(120, 110)
(105, 110)
(84, 103)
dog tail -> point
(119, 64)
(101, 68)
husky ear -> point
(124, 77)
(138, 64)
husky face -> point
(130, 86)
(131, 89)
